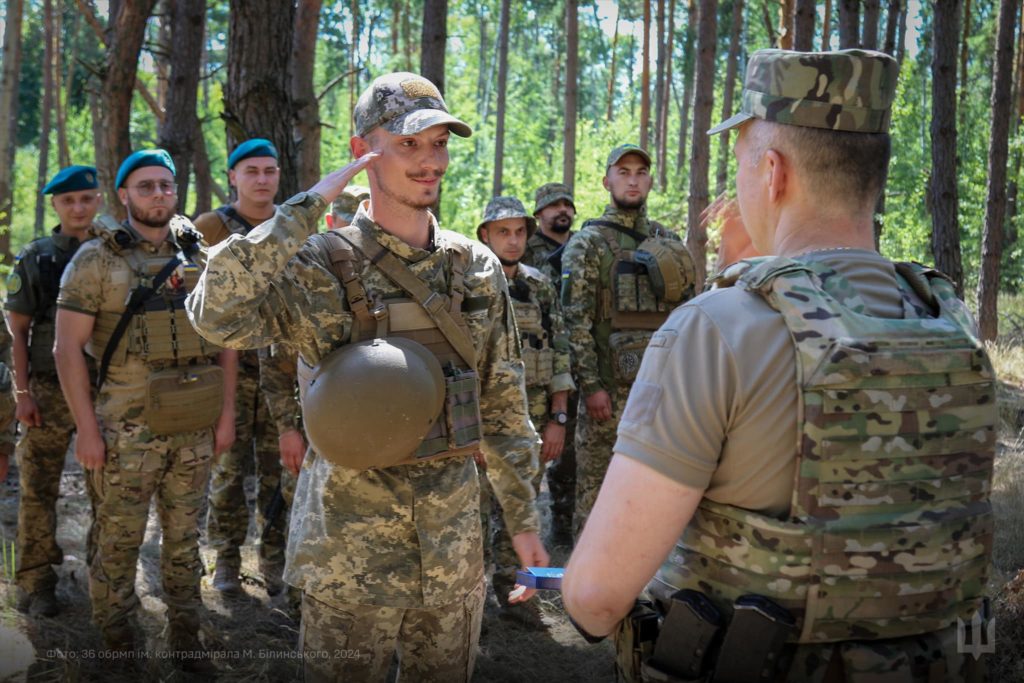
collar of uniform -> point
(63, 242)
(544, 238)
(170, 243)
(635, 219)
(396, 246)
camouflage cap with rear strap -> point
(550, 193)
(347, 203)
(500, 208)
(847, 90)
(404, 104)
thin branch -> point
(334, 81)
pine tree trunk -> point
(803, 25)
(499, 128)
(849, 24)
(201, 169)
(307, 108)
(353, 60)
(45, 113)
(62, 89)
(1012, 192)
(572, 36)
(434, 39)
(995, 207)
(704, 100)
(872, 12)
(732, 64)
(645, 79)
(611, 71)
(407, 46)
(126, 32)
(943, 185)
(187, 23)
(659, 78)
(901, 36)
(786, 16)
(892, 21)
(395, 25)
(684, 111)
(9, 116)
(666, 99)
(963, 82)
(769, 24)
(826, 27)
(257, 92)
(164, 13)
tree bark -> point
(611, 71)
(849, 24)
(433, 41)
(943, 185)
(901, 36)
(307, 107)
(659, 78)
(666, 100)
(126, 32)
(732, 63)
(62, 88)
(803, 25)
(45, 113)
(572, 57)
(1012, 193)
(786, 16)
(684, 111)
(964, 83)
(187, 21)
(704, 100)
(9, 115)
(872, 12)
(161, 51)
(826, 27)
(257, 96)
(407, 46)
(499, 128)
(892, 22)
(353, 60)
(995, 207)
(645, 79)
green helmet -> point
(370, 404)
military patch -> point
(90, 178)
(643, 402)
(420, 87)
(13, 284)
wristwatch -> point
(560, 417)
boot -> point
(225, 574)
(189, 653)
(272, 571)
(561, 531)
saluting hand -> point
(331, 185)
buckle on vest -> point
(434, 303)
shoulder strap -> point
(432, 302)
(233, 220)
(136, 301)
(919, 279)
(629, 232)
(342, 257)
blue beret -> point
(257, 147)
(72, 179)
(141, 159)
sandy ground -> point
(251, 636)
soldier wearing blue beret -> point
(47, 424)
(254, 173)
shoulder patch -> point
(13, 283)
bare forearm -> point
(228, 361)
(19, 350)
(559, 401)
(73, 373)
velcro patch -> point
(644, 399)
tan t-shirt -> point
(715, 403)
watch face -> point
(561, 418)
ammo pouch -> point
(670, 268)
(539, 364)
(458, 430)
(184, 399)
(627, 350)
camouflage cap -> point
(500, 208)
(623, 150)
(549, 194)
(848, 90)
(404, 104)
(347, 203)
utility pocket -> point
(539, 364)
(184, 399)
(627, 350)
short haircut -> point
(837, 164)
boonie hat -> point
(500, 208)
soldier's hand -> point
(27, 411)
(531, 553)
(599, 405)
(293, 450)
(224, 432)
(90, 450)
(331, 185)
(553, 441)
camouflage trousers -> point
(561, 473)
(356, 642)
(41, 452)
(594, 443)
(138, 465)
(227, 522)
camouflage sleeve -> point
(255, 288)
(562, 379)
(21, 295)
(277, 382)
(82, 284)
(510, 443)
(581, 263)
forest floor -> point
(253, 637)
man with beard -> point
(555, 212)
(385, 529)
(162, 410)
(622, 274)
(506, 228)
(255, 175)
(47, 425)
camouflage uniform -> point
(279, 388)
(32, 291)
(588, 295)
(227, 521)
(140, 463)
(561, 473)
(7, 405)
(365, 544)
